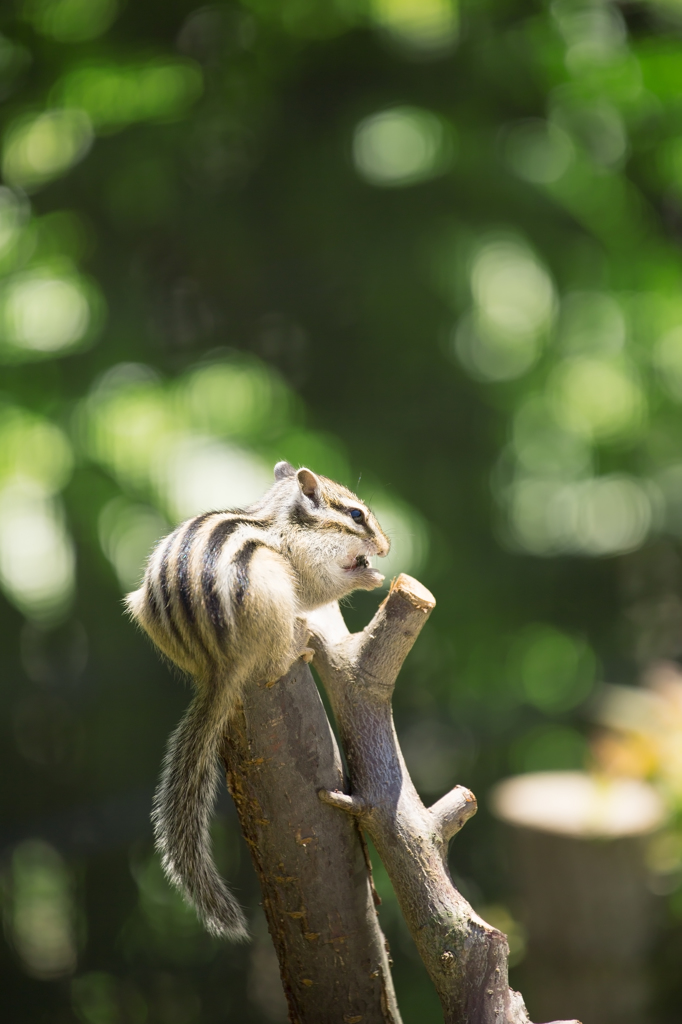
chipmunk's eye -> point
(356, 514)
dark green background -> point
(238, 227)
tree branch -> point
(343, 801)
(465, 957)
(310, 860)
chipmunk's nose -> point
(383, 546)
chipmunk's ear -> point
(284, 469)
(309, 484)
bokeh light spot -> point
(502, 336)
(42, 917)
(492, 355)
(408, 534)
(42, 313)
(425, 26)
(402, 146)
(594, 35)
(70, 21)
(33, 447)
(597, 516)
(600, 398)
(39, 148)
(200, 474)
(511, 288)
(37, 560)
(233, 399)
(127, 534)
(609, 515)
(554, 671)
(579, 805)
(124, 421)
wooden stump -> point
(577, 846)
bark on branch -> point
(311, 861)
(465, 957)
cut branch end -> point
(453, 810)
(413, 591)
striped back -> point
(179, 604)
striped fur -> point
(224, 597)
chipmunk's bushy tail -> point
(183, 805)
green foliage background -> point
(477, 317)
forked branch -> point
(465, 957)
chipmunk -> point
(224, 597)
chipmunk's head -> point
(333, 526)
